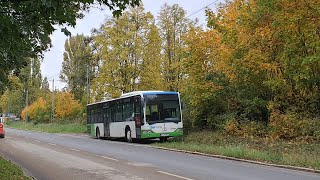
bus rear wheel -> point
(98, 133)
(128, 135)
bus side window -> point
(128, 111)
(113, 113)
(93, 116)
(119, 113)
(108, 115)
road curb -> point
(241, 160)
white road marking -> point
(125, 143)
(110, 158)
(26, 137)
(181, 177)
(139, 164)
(52, 144)
(36, 141)
(74, 149)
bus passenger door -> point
(138, 116)
(106, 121)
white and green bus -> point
(137, 115)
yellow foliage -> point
(66, 105)
(245, 129)
(34, 109)
(289, 126)
(253, 129)
(232, 127)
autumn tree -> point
(38, 111)
(27, 26)
(274, 46)
(121, 42)
(31, 78)
(209, 73)
(257, 60)
(151, 77)
(11, 102)
(67, 108)
(173, 25)
(45, 84)
(77, 64)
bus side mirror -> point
(182, 105)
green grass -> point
(50, 128)
(295, 153)
(10, 171)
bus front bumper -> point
(158, 135)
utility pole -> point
(87, 87)
(52, 108)
(27, 105)
(27, 92)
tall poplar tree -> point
(77, 64)
(173, 25)
(151, 77)
(121, 43)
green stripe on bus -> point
(157, 135)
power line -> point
(202, 8)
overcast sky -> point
(53, 58)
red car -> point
(2, 133)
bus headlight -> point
(179, 130)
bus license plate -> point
(164, 135)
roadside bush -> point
(38, 111)
(217, 122)
(289, 125)
(252, 129)
(67, 110)
(317, 135)
(232, 127)
(245, 128)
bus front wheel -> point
(128, 135)
(98, 133)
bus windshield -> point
(161, 108)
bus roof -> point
(135, 93)
(145, 93)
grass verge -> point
(50, 128)
(11, 171)
(294, 153)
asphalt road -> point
(61, 156)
